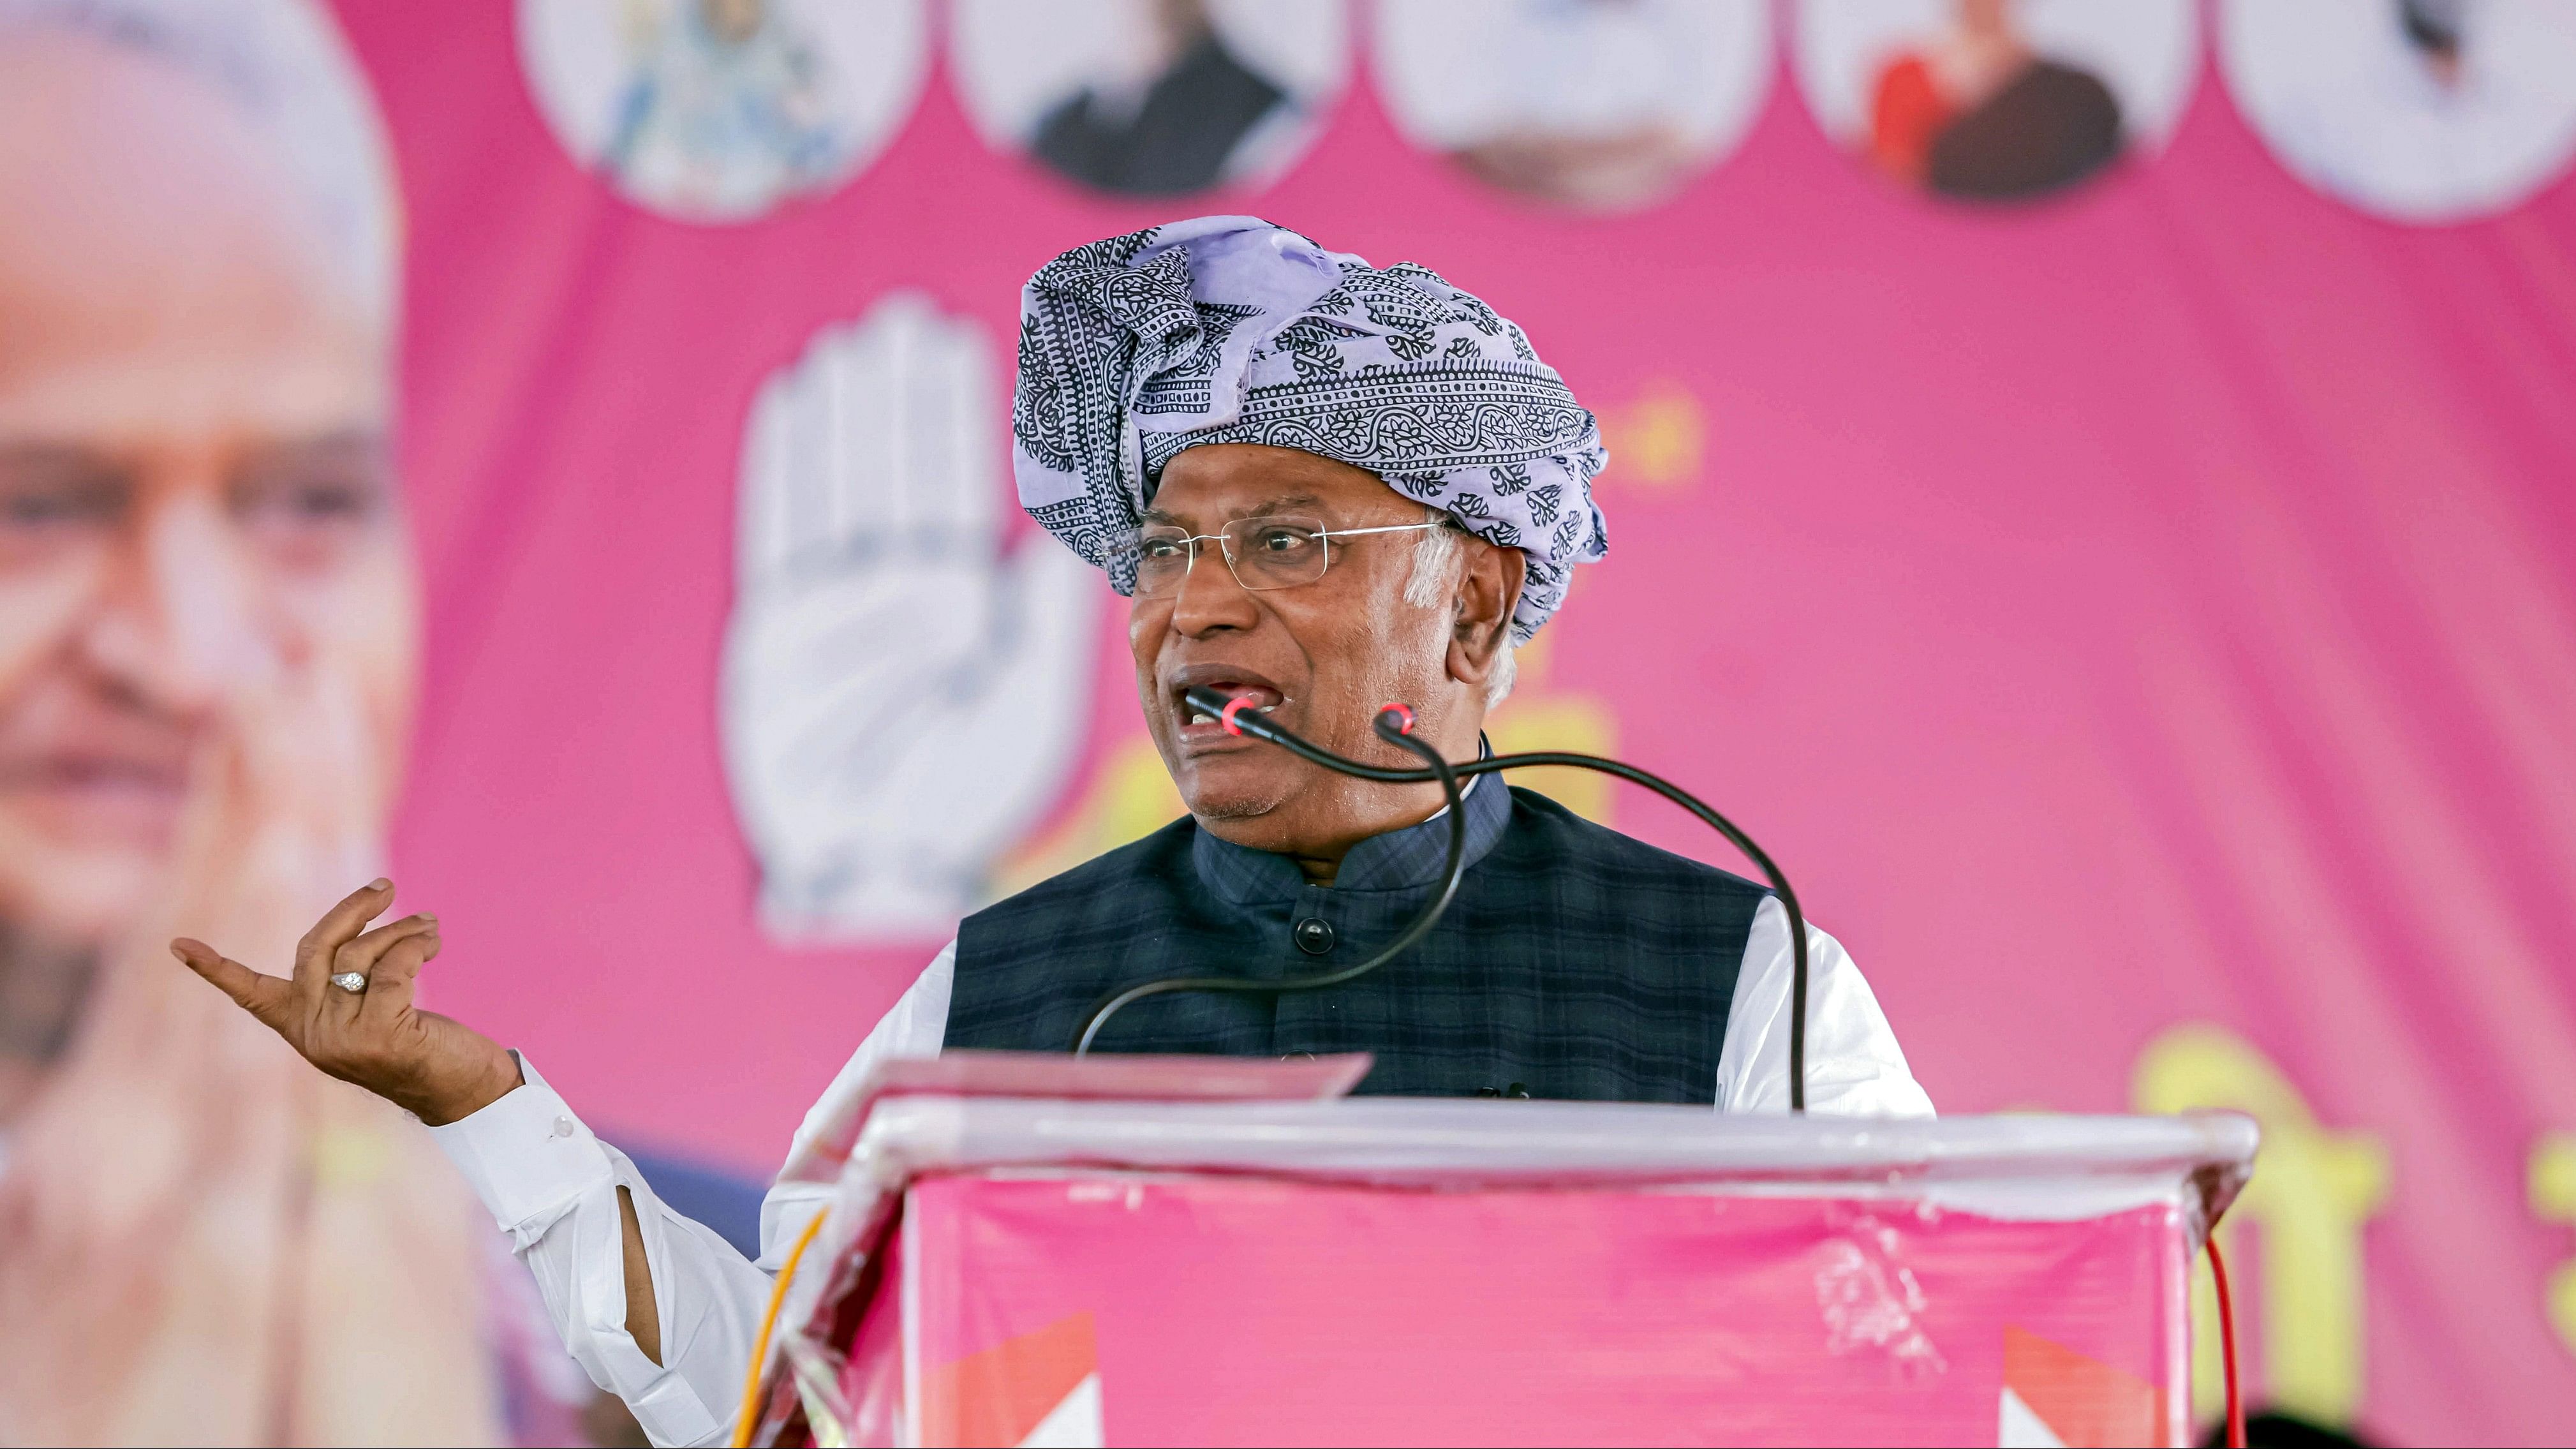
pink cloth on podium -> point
(1019, 1270)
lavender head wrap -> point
(1226, 329)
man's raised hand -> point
(434, 1068)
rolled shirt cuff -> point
(527, 1157)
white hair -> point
(285, 67)
(1437, 561)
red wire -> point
(2227, 1346)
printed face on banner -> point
(1601, 107)
(207, 610)
(718, 110)
(901, 695)
(1152, 97)
(2416, 110)
(1996, 100)
(208, 637)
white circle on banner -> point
(1151, 97)
(2422, 111)
(1992, 100)
(718, 110)
(1598, 107)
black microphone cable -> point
(1394, 724)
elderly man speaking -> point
(1324, 486)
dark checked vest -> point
(1575, 963)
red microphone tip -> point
(1405, 711)
(1232, 708)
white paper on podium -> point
(2030, 1167)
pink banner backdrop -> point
(2142, 619)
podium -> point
(1032, 1250)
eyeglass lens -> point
(1265, 553)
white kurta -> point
(552, 1186)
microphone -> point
(1235, 714)
(1394, 724)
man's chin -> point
(1232, 809)
(1232, 789)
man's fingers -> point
(337, 926)
(389, 987)
(265, 997)
(362, 954)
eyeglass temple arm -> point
(1383, 528)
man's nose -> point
(177, 626)
(1211, 597)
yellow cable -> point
(760, 1345)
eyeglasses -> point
(1275, 552)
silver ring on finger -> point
(350, 981)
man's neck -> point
(1319, 860)
(1320, 866)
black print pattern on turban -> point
(1226, 329)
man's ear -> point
(1489, 588)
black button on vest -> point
(1314, 935)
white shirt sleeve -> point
(552, 1187)
(1854, 1066)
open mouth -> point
(1259, 706)
(1197, 726)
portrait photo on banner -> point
(2416, 110)
(720, 110)
(1996, 101)
(1151, 97)
(1601, 108)
(209, 637)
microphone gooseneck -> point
(1394, 724)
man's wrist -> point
(498, 1078)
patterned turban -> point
(1226, 329)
